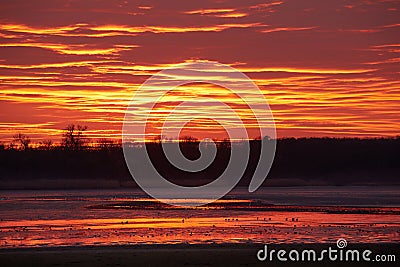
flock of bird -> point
(254, 229)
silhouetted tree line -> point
(298, 161)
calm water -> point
(271, 215)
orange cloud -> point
(118, 30)
(53, 65)
(74, 49)
(145, 7)
(305, 70)
(280, 29)
(168, 29)
(266, 5)
(210, 11)
(218, 12)
(20, 28)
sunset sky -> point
(327, 68)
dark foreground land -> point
(181, 255)
(298, 162)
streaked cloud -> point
(327, 68)
(110, 30)
(219, 13)
(280, 29)
(73, 49)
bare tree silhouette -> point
(74, 138)
(46, 145)
(23, 141)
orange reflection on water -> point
(229, 227)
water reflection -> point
(110, 218)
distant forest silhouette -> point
(78, 162)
